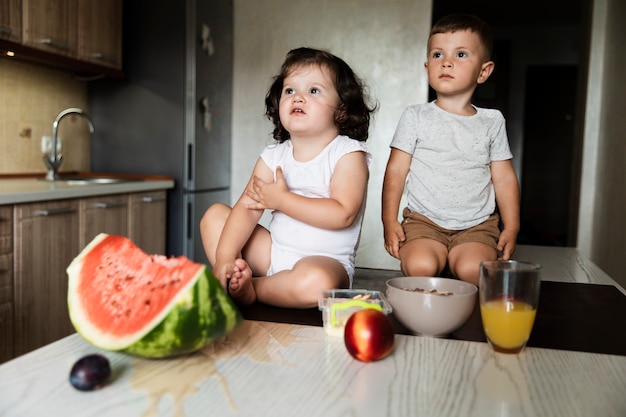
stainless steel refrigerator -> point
(171, 114)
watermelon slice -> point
(123, 299)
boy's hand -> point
(506, 244)
(267, 195)
(394, 234)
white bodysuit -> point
(293, 239)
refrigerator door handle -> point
(190, 162)
(189, 221)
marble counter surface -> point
(279, 369)
(14, 190)
(274, 369)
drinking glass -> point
(509, 295)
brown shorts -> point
(417, 226)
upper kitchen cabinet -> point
(100, 32)
(82, 36)
(11, 20)
(50, 25)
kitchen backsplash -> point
(31, 96)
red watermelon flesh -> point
(119, 295)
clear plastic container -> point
(337, 306)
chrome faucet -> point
(54, 160)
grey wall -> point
(602, 219)
(384, 42)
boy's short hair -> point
(458, 21)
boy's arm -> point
(507, 192)
(393, 186)
(348, 188)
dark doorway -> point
(548, 155)
(533, 90)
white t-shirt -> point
(449, 180)
(292, 239)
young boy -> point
(456, 162)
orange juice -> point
(507, 323)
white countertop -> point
(27, 190)
(276, 369)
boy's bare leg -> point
(300, 286)
(465, 260)
(423, 257)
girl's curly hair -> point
(352, 117)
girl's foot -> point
(240, 286)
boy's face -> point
(456, 62)
(308, 102)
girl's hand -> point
(267, 195)
(394, 234)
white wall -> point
(385, 44)
(602, 219)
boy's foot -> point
(240, 285)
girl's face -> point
(456, 62)
(308, 102)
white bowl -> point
(431, 314)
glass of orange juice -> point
(509, 295)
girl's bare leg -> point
(240, 285)
(300, 286)
(211, 226)
(423, 257)
(256, 252)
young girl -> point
(314, 180)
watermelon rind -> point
(204, 314)
(198, 314)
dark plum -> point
(90, 372)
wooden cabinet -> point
(6, 283)
(11, 20)
(83, 36)
(37, 243)
(46, 241)
(147, 221)
(50, 25)
(103, 214)
(100, 32)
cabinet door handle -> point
(103, 57)
(5, 29)
(54, 212)
(110, 204)
(152, 199)
(54, 44)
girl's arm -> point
(240, 224)
(507, 192)
(393, 186)
(348, 187)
